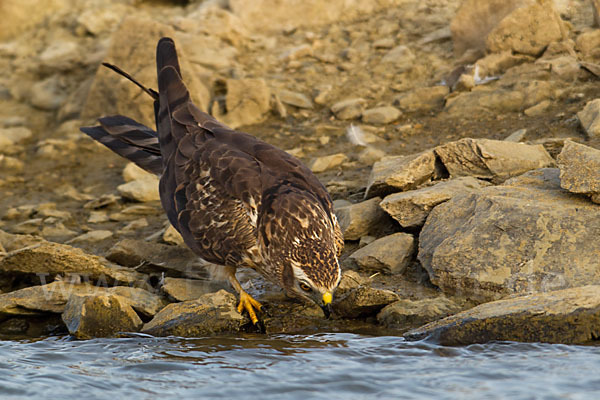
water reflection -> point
(295, 367)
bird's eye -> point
(305, 287)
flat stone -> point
(360, 219)
(380, 115)
(589, 118)
(390, 254)
(491, 159)
(407, 314)
(210, 314)
(88, 317)
(567, 316)
(394, 174)
(349, 108)
(580, 169)
(526, 236)
(295, 99)
(141, 190)
(92, 236)
(190, 289)
(48, 260)
(422, 99)
(325, 163)
(363, 302)
(411, 208)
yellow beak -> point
(327, 297)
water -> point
(323, 366)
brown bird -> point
(236, 200)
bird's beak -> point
(326, 307)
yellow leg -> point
(247, 302)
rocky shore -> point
(462, 158)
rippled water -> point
(324, 366)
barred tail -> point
(129, 139)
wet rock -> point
(47, 94)
(247, 102)
(53, 297)
(363, 302)
(210, 314)
(153, 257)
(390, 254)
(564, 316)
(92, 236)
(9, 137)
(527, 30)
(295, 99)
(142, 190)
(88, 317)
(132, 47)
(398, 173)
(48, 260)
(411, 208)
(349, 109)
(406, 314)
(491, 159)
(529, 235)
(190, 289)
(589, 118)
(360, 219)
(422, 99)
(380, 115)
(322, 164)
(580, 169)
(401, 57)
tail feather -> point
(130, 140)
(151, 92)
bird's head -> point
(297, 240)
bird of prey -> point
(236, 200)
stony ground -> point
(314, 80)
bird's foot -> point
(248, 303)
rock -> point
(350, 280)
(360, 219)
(322, 164)
(60, 55)
(142, 190)
(370, 155)
(47, 94)
(295, 53)
(295, 99)
(15, 242)
(171, 236)
(349, 109)
(491, 159)
(384, 43)
(380, 115)
(133, 226)
(406, 314)
(588, 43)
(97, 217)
(46, 260)
(527, 30)
(210, 314)
(154, 257)
(132, 172)
(390, 254)
(398, 173)
(528, 235)
(247, 102)
(495, 64)
(88, 317)
(53, 297)
(564, 67)
(9, 137)
(101, 21)
(10, 164)
(189, 289)
(22, 15)
(422, 99)
(363, 302)
(92, 237)
(475, 19)
(539, 109)
(589, 118)
(321, 94)
(517, 136)
(401, 57)
(580, 169)
(133, 48)
(411, 208)
(564, 316)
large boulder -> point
(564, 316)
(528, 235)
(210, 314)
